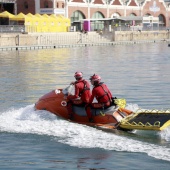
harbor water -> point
(38, 140)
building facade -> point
(92, 9)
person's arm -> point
(92, 97)
(76, 94)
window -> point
(132, 15)
(97, 25)
(97, 15)
(77, 15)
(26, 5)
(46, 4)
(115, 15)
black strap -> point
(106, 93)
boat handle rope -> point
(157, 124)
(152, 111)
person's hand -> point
(72, 83)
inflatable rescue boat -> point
(114, 117)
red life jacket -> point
(101, 98)
(84, 93)
(84, 88)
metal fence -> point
(12, 28)
(139, 28)
(23, 28)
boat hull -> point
(110, 118)
(56, 103)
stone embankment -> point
(71, 39)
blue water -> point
(39, 140)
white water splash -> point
(165, 134)
(26, 120)
(133, 107)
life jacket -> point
(84, 88)
(106, 92)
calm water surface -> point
(39, 140)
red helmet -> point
(78, 75)
(95, 78)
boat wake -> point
(26, 120)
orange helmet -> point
(78, 75)
(95, 79)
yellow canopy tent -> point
(45, 15)
(65, 23)
(6, 16)
(47, 22)
(57, 23)
(42, 23)
(35, 22)
(62, 26)
(38, 15)
(54, 23)
(30, 15)
(22, 19)
(53, 16)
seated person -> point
(101, 93)
(82, 93)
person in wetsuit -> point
(102, 94)
(82, 93)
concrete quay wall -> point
(35, 39)
(69, 39)
(141, 35)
